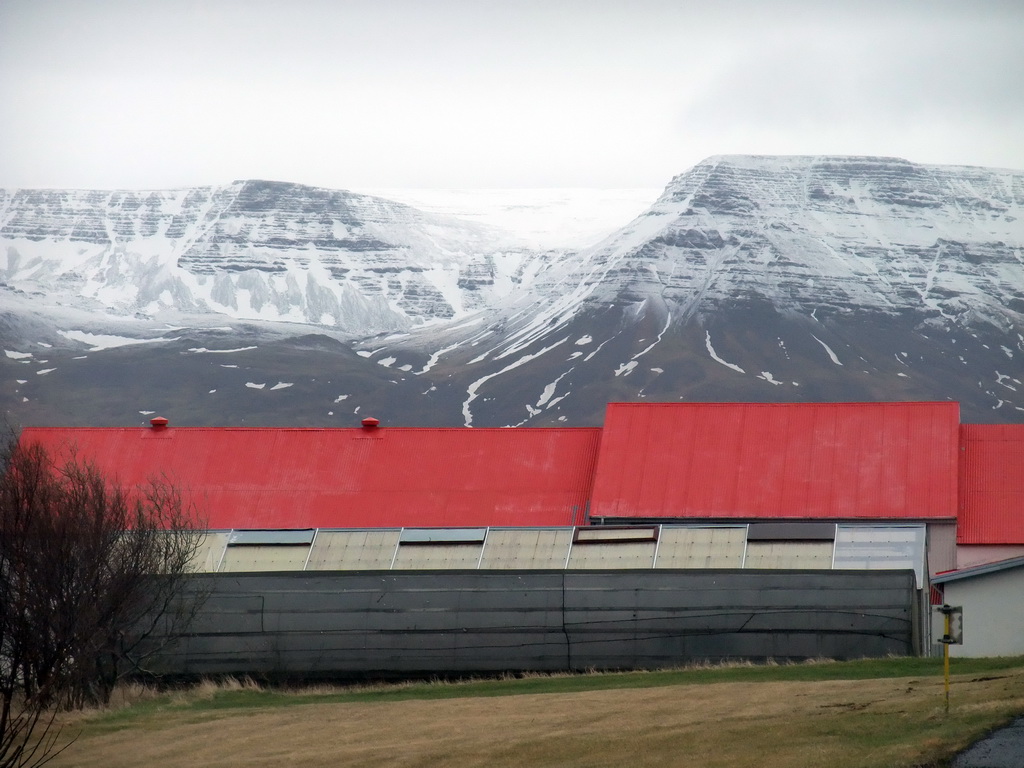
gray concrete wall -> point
(385, 623)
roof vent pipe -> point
(159, 422)
(370, 423)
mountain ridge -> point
(752, 278)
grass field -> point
(841, 715)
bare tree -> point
(89, 573)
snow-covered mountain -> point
(782, 278)
(834, 234)
(255, 250)
(750, 278)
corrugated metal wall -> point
(991, 484)
(425, 622)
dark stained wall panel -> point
(370, 624)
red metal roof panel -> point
(991, 484)
(755, 460)
(338, 478)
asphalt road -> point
(1001, 749)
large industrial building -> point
(674, 532)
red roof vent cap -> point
(370, 423)
(159, 422)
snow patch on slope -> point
(101, 341)
(715, 357)
(204, 350)
(828, 349)
(474, 388)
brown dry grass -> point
(836, 723)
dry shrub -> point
(207, 688)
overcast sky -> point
(473, 93)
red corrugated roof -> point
(335, 478)
(744, 460)
(991, 484)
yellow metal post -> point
(945, 658)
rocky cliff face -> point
(830, 234)
(254, 250)
(751, 278)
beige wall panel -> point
(968, 556)
(437, 556)
(701, 548)
(353, 550)
(526, 548)
(942, 552)
(626, 555)
(789, 554)
(265, 557)
(208, 556)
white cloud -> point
(457, 93)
